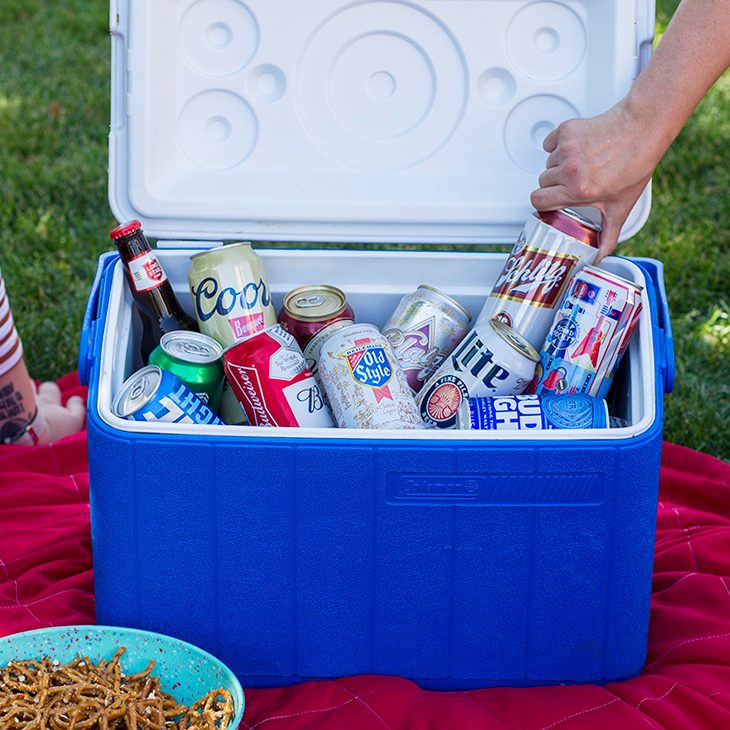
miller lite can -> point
(424, 330)
(551, 248)
(491, 360)
(589, 335)
(269, 376)
(533, 413)
(153, 394)
(364, 384)
(231, 296)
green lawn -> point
(54, 215)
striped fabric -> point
(11, 347)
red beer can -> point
(269, 376)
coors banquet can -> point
(491, 360)
(364, 384)
(423, 330)
(551, 248)
(231, 295)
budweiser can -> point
(153, 394)
(269, 376)
(589, 334)
(423, 331)
(364, 383)
(533, 413)
(550, 249)
(491, 360)
(312, 314)
(230, 293)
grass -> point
(54, 215)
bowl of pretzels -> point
(93, 677)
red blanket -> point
(46, 579)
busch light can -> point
(590, 332)
(550, 249)
(364, 384)
(491, 360)
(153, 394)
(533, 413)
(423, 330)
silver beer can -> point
(363, 381)
(423, 330)
(491, 360)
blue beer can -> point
(533, 412)
(153, 394)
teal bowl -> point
(185, 672)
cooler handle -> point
(87, 349)
(655, 271)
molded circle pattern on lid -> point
(217, 130)
(266, 83)
(496, 86)
(527, 126)
(218, 37)
(381, 85)
(546, 41)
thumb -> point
(612, 224)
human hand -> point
(604, 162)
(60, 420)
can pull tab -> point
(309, 302)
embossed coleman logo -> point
(369, 365)
(534, 276)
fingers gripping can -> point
(365, 385)
(269, 376)
(491, 360)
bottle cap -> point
(125, 229)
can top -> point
(445, 297)
(613, 277)
(315, 302)
(220, 249)
(137, 391)
(514, 339)
(125, 229)
(191, 347)
(572, 223)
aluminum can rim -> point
(220, 249)
(120, 400)
(327, 288)
(450, 300)
(512, 337)
(609, 274)
(169, 339)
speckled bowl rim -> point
(236, 689)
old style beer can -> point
(196, 359)
(152, 394)
(269, 376)
(590, 333)
(491, 360)
(533, 413)
(230, 293)
(365, 385)
(312, 314)
(550, 249)
(423, 330)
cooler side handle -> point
(94, 308)
(655, 271)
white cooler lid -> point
(375, 121)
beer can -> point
(533, 413)
(590, 332)
(231, 296)
(364, 384)
(269, 376)
(423, 330)
(309, 313)
(491, 360)
(551, 248)
(153, 394)
(231, 410)
(196, 359)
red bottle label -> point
(146, 272)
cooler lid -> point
(371, 121)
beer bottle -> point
(156, 302)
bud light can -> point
(269, 376)
(550, 249)
(533, 413)
(153, 394)
(231, 296)
(491, 360)
(364, 384)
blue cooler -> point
(457, 559)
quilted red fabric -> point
(46, 579)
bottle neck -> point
(132, 246)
